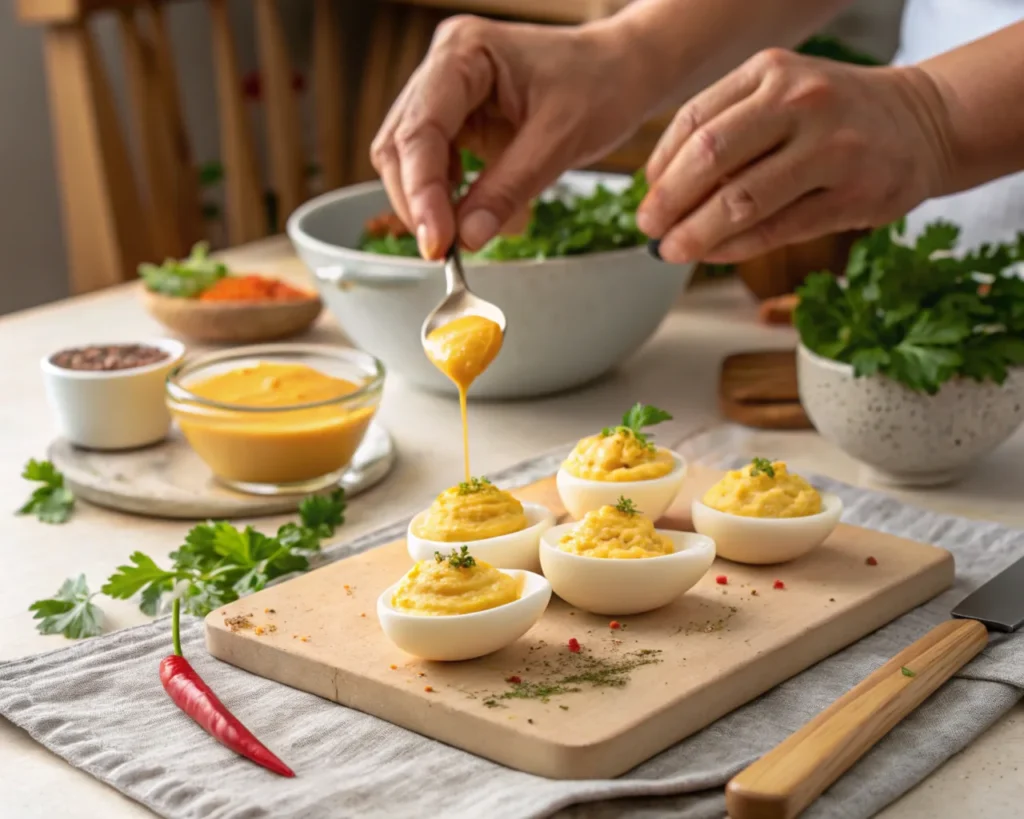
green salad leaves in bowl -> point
(564, 222)
(913, 362)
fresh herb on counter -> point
(473, 485)
(626, 506)
(217, 564)
(193, 696)
(71, 612)
(907, 672)
(761, 466)
(919, 314)
(184, 278)
(461, 559)
(52, 502)
(636, 419)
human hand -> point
(530, 100)
(788, 148)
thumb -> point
(504, 189)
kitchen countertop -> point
(715, 319)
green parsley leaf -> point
(70, 612)
(52, 502)
(761, 466)
(131, 578)
(186, 278)
(323, 513)
(461, 559)
(919, 314)
(636, 419)
(626, 506)
(473, 485)
(907, 672)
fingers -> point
(728, 142)
(753, 196)
(412, 151)
(699, 111)
(813, 215)
(532, 161)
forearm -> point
(978, 89)
(677, 47)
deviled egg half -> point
(763, 514)
(503, 531)
(615, 562)
(622, 461)
(455, 607)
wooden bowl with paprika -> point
(200, 299)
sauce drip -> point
(462, 349)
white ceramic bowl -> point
(569, 319)
(767, 540)
(517, 550)
(652, 498)
(905, 437)
(625, 586)
(465, 636)
(116, 409)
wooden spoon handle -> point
(783, 782)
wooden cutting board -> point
(760, 390)
(720, 647)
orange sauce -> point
(269, 447)
(462, 349)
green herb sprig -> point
(52, 502)
(626, 506)
(761, 466)
(636, 419)
(461, 559)
(217, 564)
(70, 612)
(473, 485)
(918, 313)
(184, 278)
(907, 672)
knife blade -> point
(786, 780)
(999, 604)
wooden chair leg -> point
(373, 96)
(185, 174)
(106, 238)
(329, 94)
(246, 219)
(284, 135)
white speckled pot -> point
(909, 438)
(570, 320)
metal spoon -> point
(459, 300)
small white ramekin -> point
(112, 409)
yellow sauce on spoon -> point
(462, 349)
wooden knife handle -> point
(783, 782)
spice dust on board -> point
(564, 671)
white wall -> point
(32, 263)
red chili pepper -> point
(722, 580)
(194, 697)
(515, 679)
(574, 645)
(615, 624)
(871, 561)
(778, 584)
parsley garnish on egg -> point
(626, 506)
(636, 419)
(473, 485)
(461, 559)
(761, 466)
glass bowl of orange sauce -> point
(273, 419)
